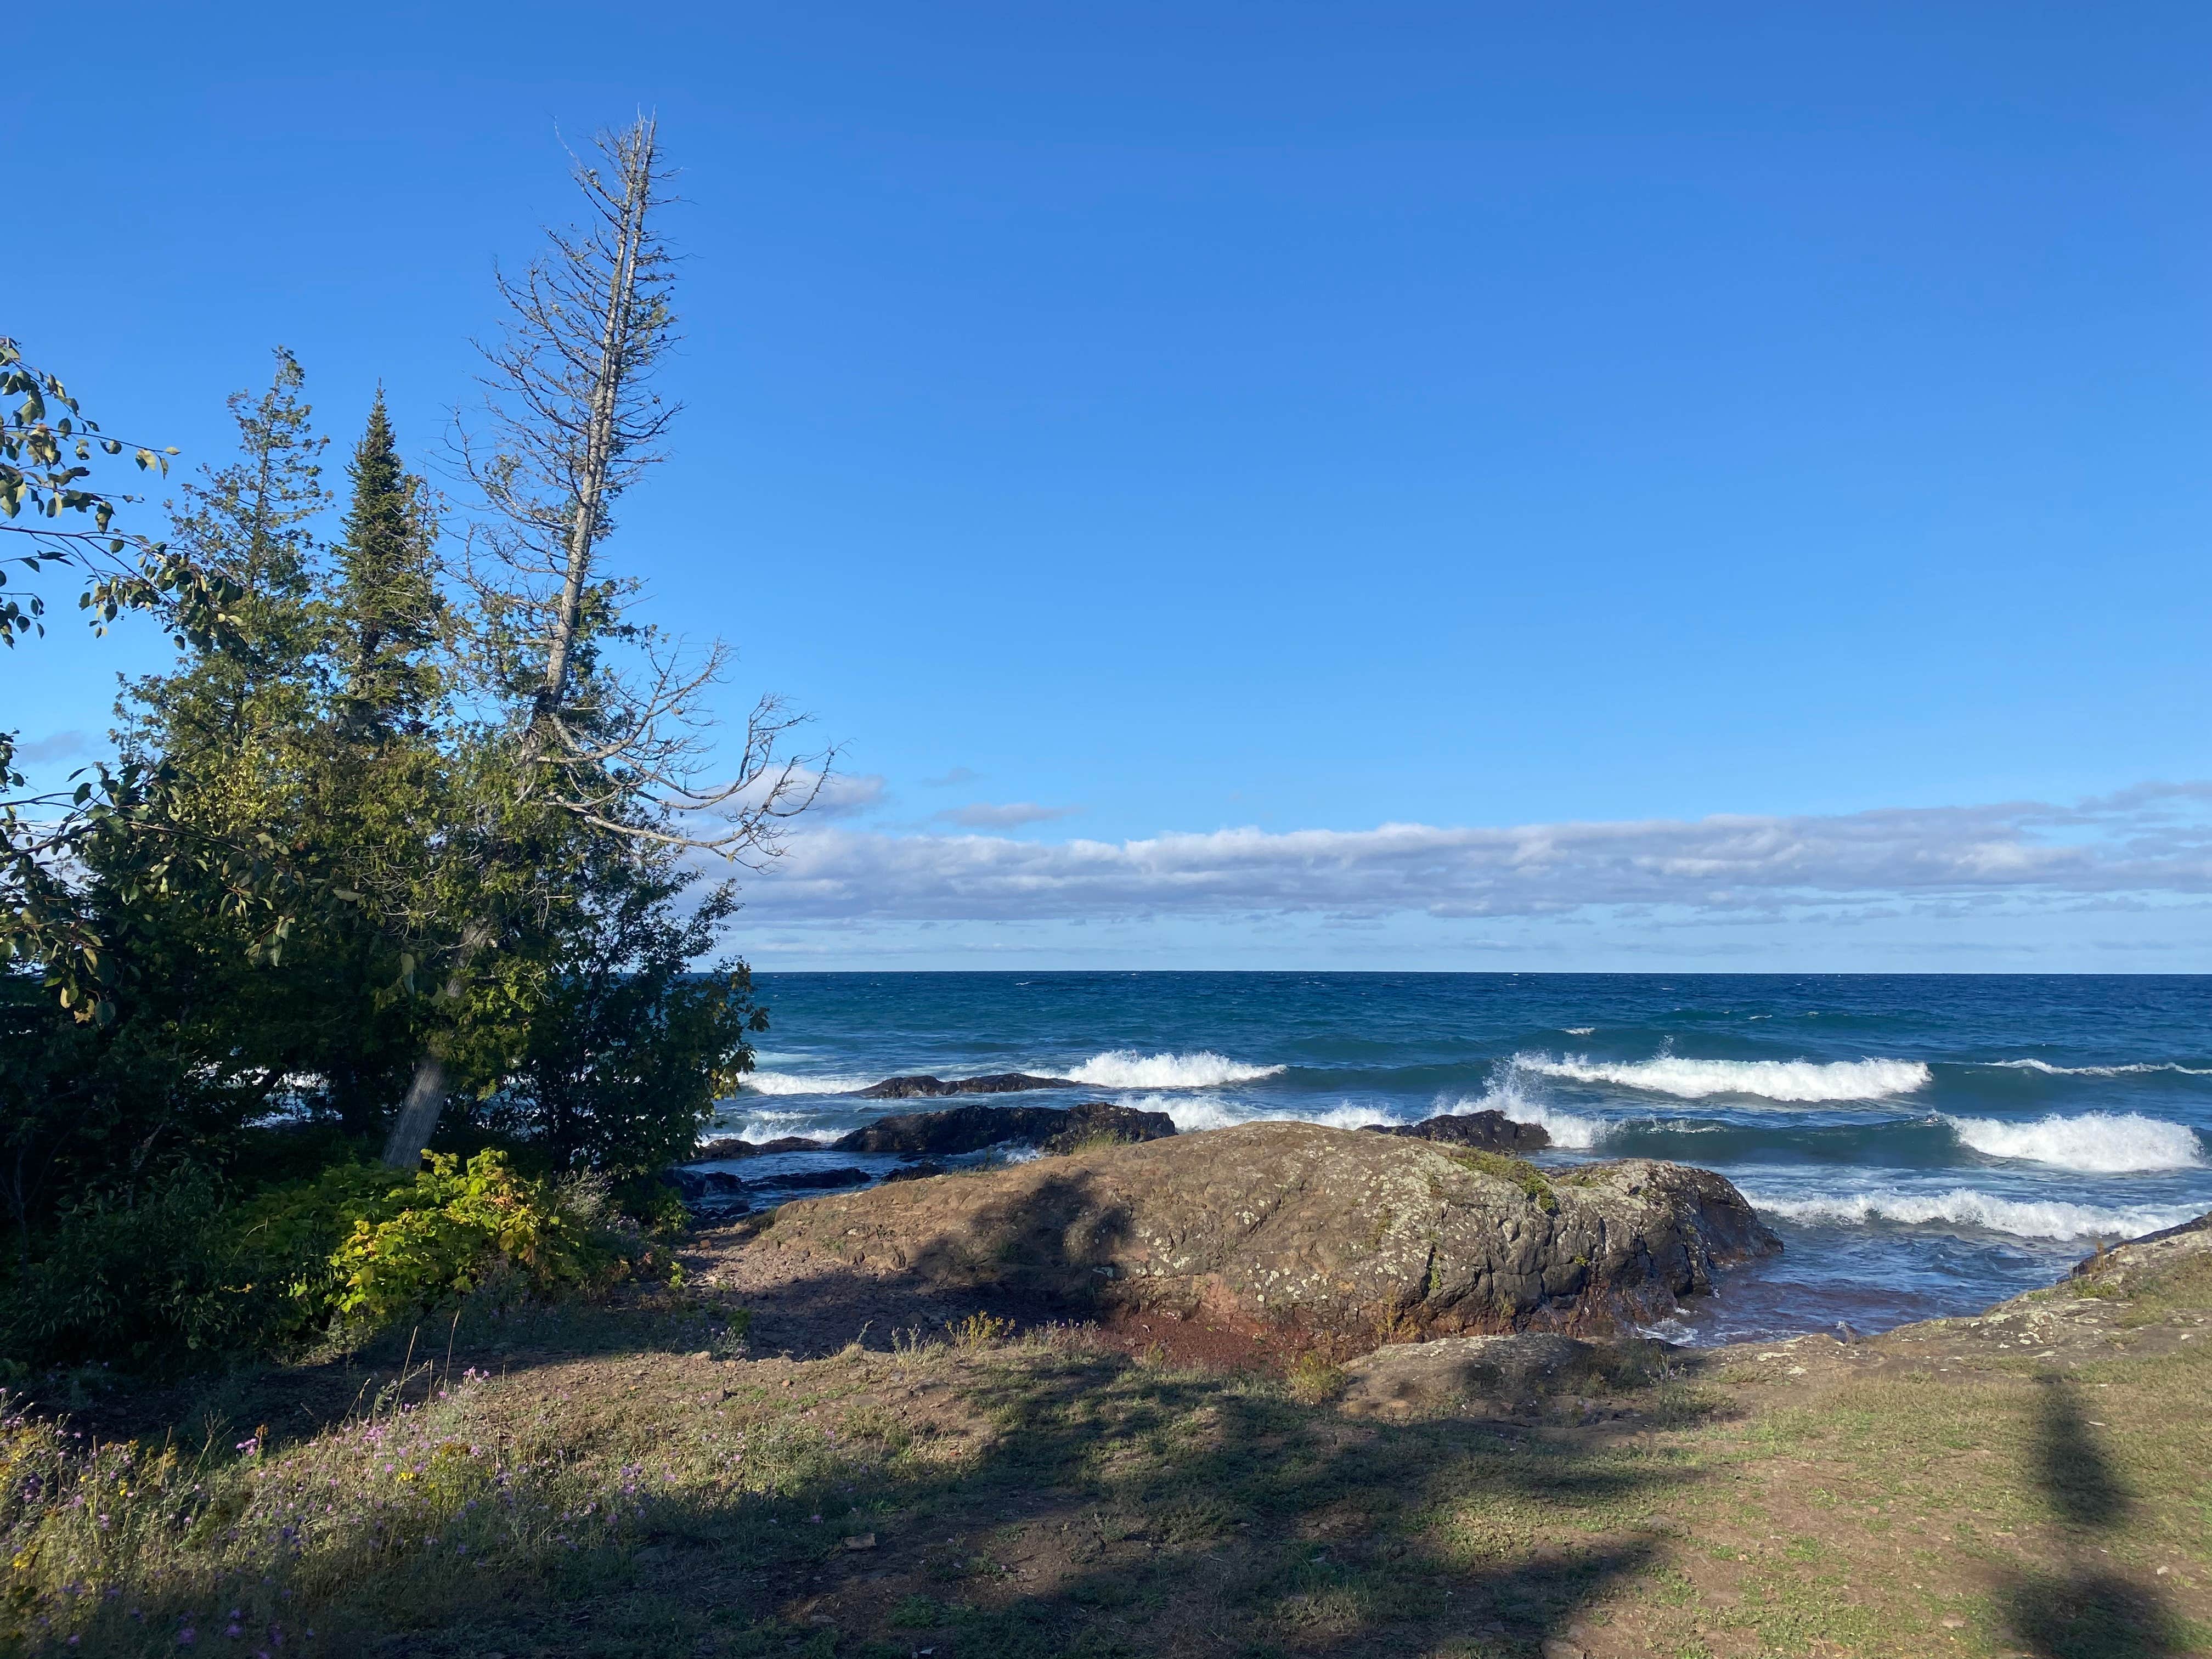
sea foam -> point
(1963, 1206)
(2138, 1069)
(1126, 1068)
(1798, 1080)
(794, 1083)
(1192, 1113)
(757, 1127)
(1569, 1130)
(2099, 1142)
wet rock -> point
(997, 1083)
(730, 1147)
(958, 1129)
(812, 1178)
(1487, 1130)
(1361, 1239)
(921, 1171)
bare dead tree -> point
(616, 734)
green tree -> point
(605, 741)
(389, 610)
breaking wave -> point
(2139, 1069)
(2099, 1142)
(773, 1125)
(794, 1083)
(1568, 1130)
(1962, 1207)
(1125, 1068)
(1770, 1079)
(1193, 1112)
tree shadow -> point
(1180, 1511)
(2085, 1611)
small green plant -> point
(1518, 1170)
(1313, 1379)
(980, 1330)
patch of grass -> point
(1045, 1494)
(1523, 1173)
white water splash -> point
(1125, 1068)
(2100, 1142)
(797, 1082)
(1963, 1206)
(1798, 1080)
(2140, 1068)
(1569, 1130)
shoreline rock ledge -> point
(1334, 1235)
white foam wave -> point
(1192, 1113)
(797, 1082)
(773, 1125)
(1770, 1079)
(1963, 1206)
(1125, 1068)
(1569, 1130)
(1578, 1030)
(2101, 1142)
(2139, 1069)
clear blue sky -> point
(1195, 417)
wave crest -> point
(1798, 1080)
(1126, 1068)
(794, 1083)
(2138, 1069)
(1963, 1206)
(1570, 1131)
(2102, 1143)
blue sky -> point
(1183, 420)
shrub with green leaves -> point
(454, 1225)
(173, 1273)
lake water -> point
(1923, 1144)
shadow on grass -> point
(1116, 1509)
(2087, 1611)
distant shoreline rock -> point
(1487, 1130)
(996, 1083)
(958, 1129)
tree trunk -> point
(618, 324)
(418, 1114)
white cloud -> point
(2155, 840)
(62, 745)
(985, 815)
(838, 794)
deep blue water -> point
(1924, 1144)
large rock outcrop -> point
(1357, 1239)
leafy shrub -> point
(171, 1272)
(454, 1225)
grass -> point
(607, 1486)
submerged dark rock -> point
(958, 1129)
(1486, 1131)
(922, 1171)
(731, 1147)
(996, 1083)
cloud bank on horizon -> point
(2152, 842)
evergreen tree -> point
(387, 602)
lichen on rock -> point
(1348, 1239)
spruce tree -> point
(388, 601)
